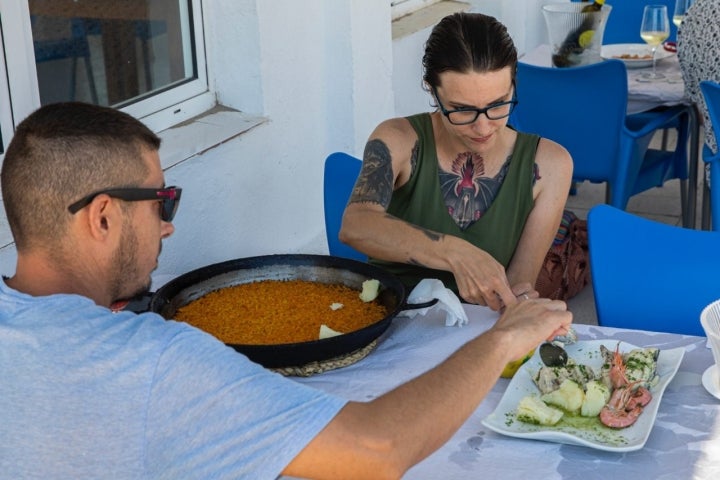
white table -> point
(684, 442)
(644, 96)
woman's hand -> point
(481, 279)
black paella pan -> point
(316, 268)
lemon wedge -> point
(370, 290)
(327, 332)
(513, 367)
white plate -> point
(711, 382)
(617, 50)
(503, 420)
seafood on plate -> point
(637, 365)
(630, 375)
(549, 379)
(616, 395)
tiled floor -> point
(661, 204)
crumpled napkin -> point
(430, 288)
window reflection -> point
(109, 52)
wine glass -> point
(681, 7)
(654, 30)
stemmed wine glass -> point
(681, 7)
(654, 30)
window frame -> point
(159, 111)
(6, 118)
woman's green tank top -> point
(421, 203)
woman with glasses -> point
(457, 194)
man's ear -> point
(102, 214)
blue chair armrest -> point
(638, 127)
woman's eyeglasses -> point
(169, 198)
(467, 115)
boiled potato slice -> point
(533, 410)
(569, 396)
(597, 395)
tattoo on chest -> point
(375, 183)
(468, 193)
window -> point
(400, 8)
(6, 123)
(145, 57)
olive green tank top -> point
(420, 202)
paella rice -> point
(272, 312)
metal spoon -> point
(553, 354)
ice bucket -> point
(575, 36)
(710, 321)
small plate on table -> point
(711, 382)
(502, 420)
(634, 55)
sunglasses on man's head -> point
(169, 198)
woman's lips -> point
(480, 139)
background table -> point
(684, 442)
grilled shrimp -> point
(625, 406)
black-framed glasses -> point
(467, 115)
(169, 198)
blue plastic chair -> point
(584, 109)
(711, 95)
(649, 275)
(623, 24)
(341, 171)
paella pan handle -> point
(416, 306)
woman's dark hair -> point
(467, 42)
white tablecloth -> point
(642, 96)
(684, 442)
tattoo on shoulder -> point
(375, 183)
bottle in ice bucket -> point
(579, 39)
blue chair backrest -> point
(623, 24)
(649, 275)
(581, 108)
(341, 171)
(711, 95)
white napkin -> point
(430, 288)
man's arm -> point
(385, 437)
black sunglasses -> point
(169, 198)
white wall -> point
(323, 73)
(523, 19)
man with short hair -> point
(87, 393)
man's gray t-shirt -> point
(86, 393)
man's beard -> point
(127, 283)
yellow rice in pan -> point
(272, 312)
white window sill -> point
(425, 17)
(201, 133)
(183, 142)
